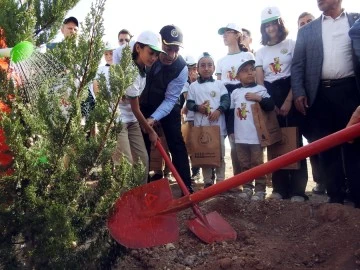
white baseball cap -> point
(153, 40)
(270, 14)
(229, 26)
(190, 61)
(109, 46)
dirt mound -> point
(271, 235)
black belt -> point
(332, 83)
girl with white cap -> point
(130, 142)
(226, 69)
(273, 63)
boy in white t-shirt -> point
(241, 127)
(209, 99)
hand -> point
(285, 108)
(151, 121)
(301, 104)
(203, 109)
(214, 116)
(253, 97)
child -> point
(209, 99)
(241, 127)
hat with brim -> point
(71, 19)
(229, 26)
(171, 35)
(190, 61)
(151, 39)
(109, 47)
(270, 14)
(245, 64)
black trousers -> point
(171, 125)
(288, 183)
(331, 112)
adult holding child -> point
(273, 64)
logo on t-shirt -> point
(242, 111)
(275, 67)
(231, 74)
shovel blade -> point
(134, 223)
(217, 229)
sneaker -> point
(319, 189)
(275, 196)
(258, 196)
(297, 199)
(246, 193)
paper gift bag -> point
(205, 146)
(267, 126)
(185, 130)
(156, 160)
(289, 142)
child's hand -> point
(214, 116)
(204, 108)
(285, 108)
(253, 97)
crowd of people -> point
(312, 84)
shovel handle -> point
(337, 138)
(172, 167)
(180, 182)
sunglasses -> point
(122, 40)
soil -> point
(270, 235)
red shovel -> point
(209, 228)
(146, 216)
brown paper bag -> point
(185, 130)
(205, 146)
(267, 125)
(289, 142)
(156, 160)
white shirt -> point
(244, 127)
(338, 58)
(133, 91)
(228, 66)
(212, 92)
(276, 60)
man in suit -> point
(324, 73)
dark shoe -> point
(190, 189)
(319, 189)
(155, 177)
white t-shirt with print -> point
(212, 92)
(228, 65)
(244, 127)
(133, 91)
(276, 60)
